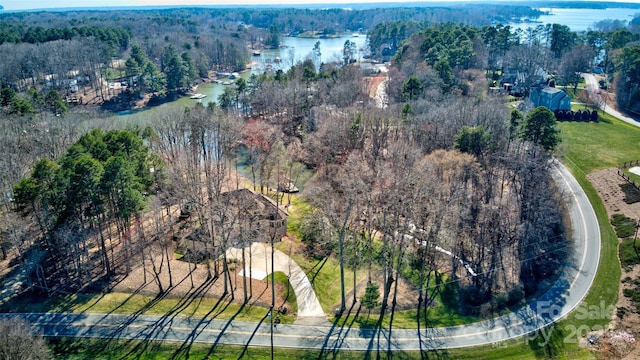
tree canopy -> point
(104, 172)
(539, 127)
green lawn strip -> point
(297, 211)
(584, 153)
(79, 348)
(402, 319)
(289, 295)
(604, 290)
(123, 303)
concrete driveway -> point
(308, 304)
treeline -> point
(55, 65)
(220, 39)
(117, 38)
(108, 204)
(288, 20)
(13, 103)
(626, 71)
(81, 52)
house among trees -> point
(258, 217)
(552, 98)
(517, 82)
(242, 217)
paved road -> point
(592, 85)
(563, 297)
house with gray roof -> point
(550, 97)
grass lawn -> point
(78, 348)
(290, 296)
(405, 319)
(587, 147)
(325, 278)
(591, 146)
(298, 210)
(121, 303)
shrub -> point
(603, 84)
(449, 295)
(628, 254)
(633, 294)
(471, 300)
(317, 233)
(515, 295)
(371, 298)
(624, 226)
(499, 301)
(621, 312)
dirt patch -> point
(198, 279)
(613, 191)
(373, 82)
(618, 341)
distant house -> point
(516, 82)
(552, 98)
(367, 69)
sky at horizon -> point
(48, 4)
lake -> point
(293, 51)
(579, 19)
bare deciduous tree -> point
(18, 341)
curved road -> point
(558, 301)
(592, 85)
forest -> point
(419, 173)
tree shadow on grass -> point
(321, 263)
(373, 332)
(162, 325)
(159, 328)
